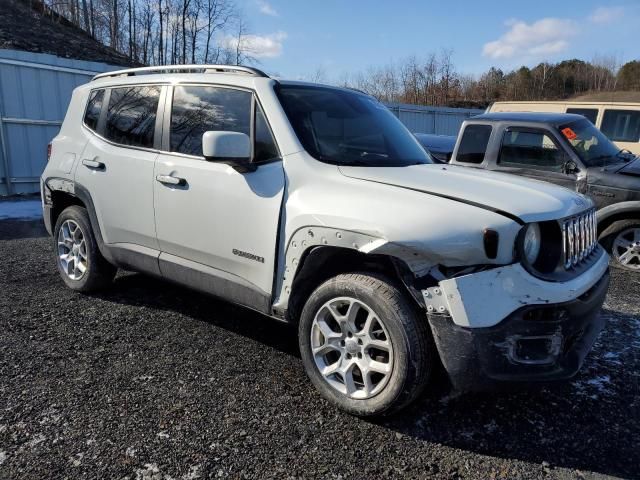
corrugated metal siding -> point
(35, 90)
(437, 120)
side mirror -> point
(232, 148)
(570, 167)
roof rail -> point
(185, 69)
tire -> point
(622, 240)
(80, 263)
(373, 300)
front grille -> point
(579, 238)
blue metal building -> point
(35, 89)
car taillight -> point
(48, 152)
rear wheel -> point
(622, 240)
(80, 263)
(365, 345)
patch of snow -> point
(37, 439)
(600, 382)
(20, 209)
(491, 427)
(193, 474)
(467, 435)
(163, 435)
(149, 472)
(3, 457)
(130, 452)
(76, 460)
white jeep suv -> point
(314, 205)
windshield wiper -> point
(374, 154)
(625, 154)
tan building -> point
(620, 121)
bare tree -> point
(160, 33)
(185, 9)
(86, 19)
(115, 25)
(219, 13)
(319, 75)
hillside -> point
(23, 26)
(629, 97)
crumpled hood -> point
(514, 196)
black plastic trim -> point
(478, 358)
(491, 240)
(214, 282)
(83, 194)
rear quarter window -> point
(94, 108)
(473, 145)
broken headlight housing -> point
(539, 249)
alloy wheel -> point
(351, 348)
(72, 250)
(626, 248)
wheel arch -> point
(618, 211)
(315, 254)
(61, 200)
(62, 193)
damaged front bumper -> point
(539, 333)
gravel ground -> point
(151, 381)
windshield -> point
(593, 148)
(348, 128)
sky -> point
(296, 38)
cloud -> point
(547, 36)
(266, 8)
(604, 15)
(258, 46)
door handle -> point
(87, 162)
(170, 180)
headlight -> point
(531, 243)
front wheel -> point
(622, 240)
(365, 345)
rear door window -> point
(590, 114)
(474, 143)
(199, 109)
(94, 108)
(131, 115)
(530, 149)
(621, 125)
